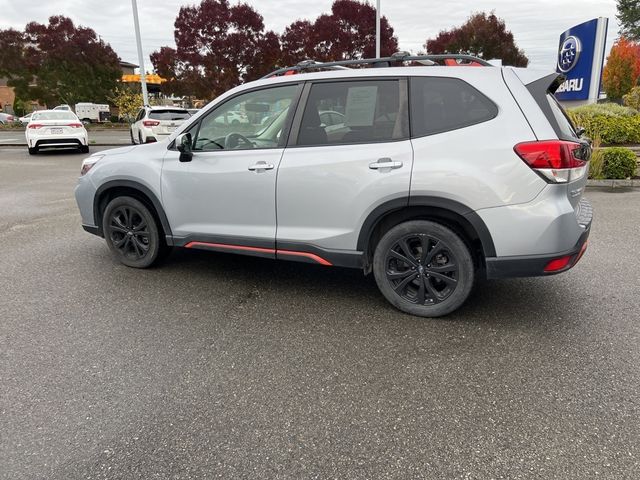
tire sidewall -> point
(466, 272)
(155, 244)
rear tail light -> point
(558, 264)
(35, 125)
(151, 123)
(75, 125)
(556, 161)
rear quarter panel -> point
(476, 165)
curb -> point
(614, 183)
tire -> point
(124, 216)
(33, 151)
(140, 138)
(84, 149)
(86, 121)
(132, 139)
(432, 284)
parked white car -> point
(56, 129)
(153, 124)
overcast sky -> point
(536, 24)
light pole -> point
(143, 73)
(377, 28)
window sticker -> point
(361, 106)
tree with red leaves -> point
(58, 63)
(484, 36)
(622, 71)
(349, 32)
(218, 46)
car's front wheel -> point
(131, 233)
(33, 151)
(423, 268)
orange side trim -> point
(312, 256)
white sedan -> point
(56, 129)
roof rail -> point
(379, 62)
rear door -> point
(331, 177)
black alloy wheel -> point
(131, 233)
(423, 268)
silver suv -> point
(429, 176)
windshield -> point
(168, 114)
(564, 122)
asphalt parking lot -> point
(225, 366)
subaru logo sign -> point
(569, 54)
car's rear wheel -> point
(33, 150)
(133, 141)
(84, 149)
(132, 233)
(140, 138)
(423, 268)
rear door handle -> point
(385, 162)
(261, 166)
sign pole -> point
(143, 72)
(377, 28)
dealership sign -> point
(580, 59)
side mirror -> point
(183, 144)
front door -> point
(224, 198)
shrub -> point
(619, 163)
(596, 165)
(612, 123)
(632, 99)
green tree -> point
(128, 102)
(629, 18)
(58, 63)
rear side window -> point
(168, 114)
(442, 104)
(354, 112)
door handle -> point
(261, 166)
(385, 162)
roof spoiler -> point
(536, 80)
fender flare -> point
(399, 204)
(146, 191)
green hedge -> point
(613, 124)
(618, 163)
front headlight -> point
(88, 163)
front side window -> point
(251, 120)
(354, 112)
(441, 104)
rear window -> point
(168, 114)
(443, 104)
(57, 115)
(562, 119)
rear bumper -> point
(534, 265)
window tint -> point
(354, 112)
(168, 114)
(562, 119)
(251, 120)
(442, 104)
